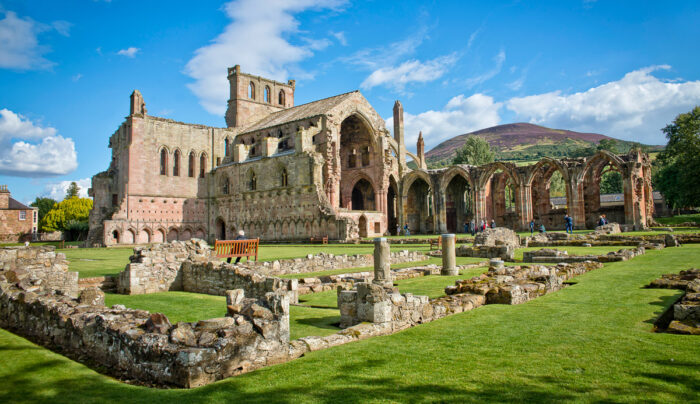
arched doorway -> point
(220, 229)
(115, 236)
(392, 206)
(419, 207)
(458, 204)
(362, 196)
(358, 158)
(550, 195)
(604, 191)
(363, 226)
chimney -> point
(4, 197)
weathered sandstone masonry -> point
(324, 262)
(38, 269)
(492, 243)
(562, 239)
(551, 256)
(518, 284)
(146, 347)
(191, 267)
(683, 317)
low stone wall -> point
(38, 269)
(683, 317)
(146, 347)
(373, 303)
(551, 256)
(518, 284)
(105, 283)
(324, 262)
(563, 239)
(504, 252)
(216, 277)
(347, 281)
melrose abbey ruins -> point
(326, 168)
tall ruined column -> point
(399, 133)
(440, 216)
(449, 262)
(479, 205)
(382, 263)
(524, 206)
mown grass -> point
(89, 262)
(590, 342)
(678, 219)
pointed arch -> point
(267, 95)
(281, 98)
(202, 164)
(251, 90)
(164, 160)
(176, 163)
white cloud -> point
(376, 58)
(397, 77)
(460, 115)
(129, 52)
(49, 154)
(57, 190)
(635, 107)
(62, 27)
(19, 46)
(258, 40)
(340, 37)
(498, 60)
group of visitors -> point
(602, 220)
(568, 225)
(472, 228)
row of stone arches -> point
(147, 235)
(285, 229)
(443, 200)
(280, 180)
(171, 163)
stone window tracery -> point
(202, 165)
(281, 97)
(267, 95)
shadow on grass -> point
(665, 303)
(321, 322)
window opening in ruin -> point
(284, 177)
(115, 236)
(202, 165)
(252, 182)
(362, 196)
(352, 159)
(163, 162)
(251, 90)
(267, 94)
(176, 163)
(224, 185)
(115, 199)
(365, 156)
(190, 168)
(227, 144)
(281, 97)
(510, 196)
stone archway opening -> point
(358, 158)
(550, 197)
(220, 229)
(419, 207)
(458, 204)
(115, 236)
(363, 226)
(501, 200)
(362, 196)
(603, 193)
(392, 205)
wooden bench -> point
(237, 248)
(321, 240)
(437, 242)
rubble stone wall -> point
(146, 347)
(38, 269)
(684, 316)
(551, 256)
(324, 262)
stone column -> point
(382, 263)
(449, 261)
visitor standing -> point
(481, 226)
(472, 225)
(466, 227)
(240, 236)
(569, 224)
(406, 231)
(493, 223)
(601, 221)
(532, 227)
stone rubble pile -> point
(518, 284)
(499, 242)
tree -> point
(476, 151)
(72, 191)
(611, 182)
(44, 205)
(610, 145)
(67, 211)
(677, 166)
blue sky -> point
(622, 68)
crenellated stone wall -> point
(38, 269)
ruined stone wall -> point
(157, 268)
(324, 262)
(37, 269)
(144, 347)
(551, 256)
(683, 317)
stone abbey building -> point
(326, 168)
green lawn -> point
(679, 219)
(431, 286)
(590, 342)
(91, 262)
(190, 307)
